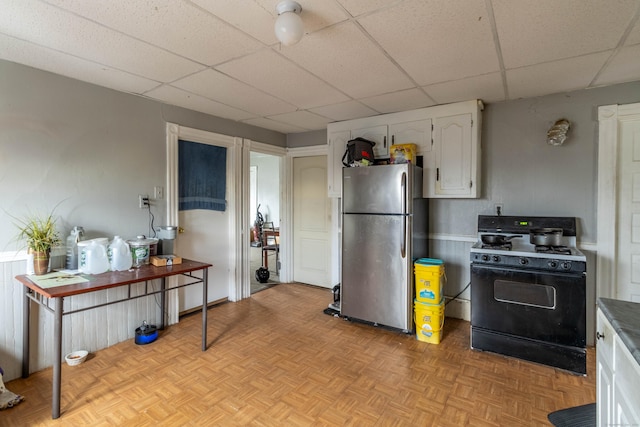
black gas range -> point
(529, 301)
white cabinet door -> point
(337, 146)
(418, 132)
(454, 156)
(604, 371)
(377, 134)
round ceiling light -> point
(289, 28)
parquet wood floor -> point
(277, 360)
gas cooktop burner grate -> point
(501, 247)
(561, 250)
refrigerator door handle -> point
(403, 248)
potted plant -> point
(39, 232)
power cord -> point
(459, 293)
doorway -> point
(618, 196)
(265, 219)
(199, 228)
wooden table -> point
(54, 296)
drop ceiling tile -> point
(302, 119)
(280, 77)
(531, 32)
(273, 125)
(174, 96)
(449, 40)
(360, 7)
(246, 15)
(344, 111)
(398, 101)
(216, 86)
(49, 26)
(176, 26)
(554, 77)
(634, 35)
(35, 56)
(345, 58)
(624, 67)
(488, 88)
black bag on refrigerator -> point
(359, 152)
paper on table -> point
(57, 278)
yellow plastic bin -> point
(429, 319)
(429, 279)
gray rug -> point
(578, 416)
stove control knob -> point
(566, 265)
(524, 261)
(496, 258)
(553, 264)
(485, 257)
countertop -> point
(624, 316)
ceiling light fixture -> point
(289, 28)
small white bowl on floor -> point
(76, 357)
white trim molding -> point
(609, 118)
(234, 180)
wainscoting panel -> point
(89, 330)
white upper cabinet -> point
(454, 157)
(377, 134)
(447, 139)
(415, 132)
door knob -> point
(180, 230)
(599, 336)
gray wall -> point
(89, 151)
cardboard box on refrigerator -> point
(402, 153)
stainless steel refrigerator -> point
(384, 229)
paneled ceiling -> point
(358, 57)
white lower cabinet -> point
(618, 378)
(447, 138)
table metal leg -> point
(26, 328)
(163, 301)
(57, 357)
(205, 275)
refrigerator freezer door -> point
(376, 279)
(377, 189)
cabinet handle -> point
(393, 139)
(384, 143)
(599, 336)
(437, 174)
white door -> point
(629, 212)
(311, 221)
(206, 235)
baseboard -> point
(199, 308)
(457, 308)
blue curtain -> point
(202, 176)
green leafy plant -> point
(39, 232)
